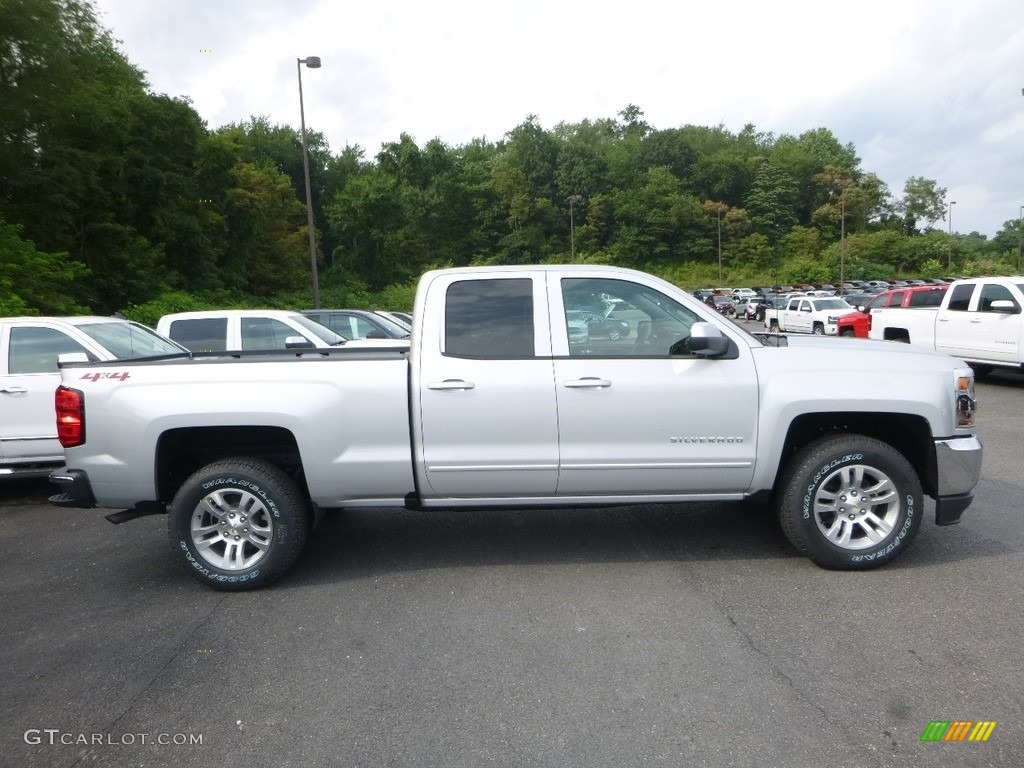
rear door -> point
(483, 392)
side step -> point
(141, 510)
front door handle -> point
(588, 382)
(455, 385)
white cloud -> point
(921, 88)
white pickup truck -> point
(490, 405)
(980, 320)
(808, 314)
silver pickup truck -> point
(495, 404)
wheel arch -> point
(180, 452)
(906, 433)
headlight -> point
(833, 320)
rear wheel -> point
(850, 502)
(238, 524)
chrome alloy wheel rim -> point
(232, 529)
(857, 507)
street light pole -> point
(949, 257)
(313, 62)
(842, 243)
(572, 225)
(719, 246)
(1020, 237)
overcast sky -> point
(927, 88)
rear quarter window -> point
(201, 334)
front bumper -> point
(958, 470)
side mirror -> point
(1003, 306)
(706, 340)
(297, 342)
(71, 357)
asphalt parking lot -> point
(663, 636)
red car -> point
(859, 323)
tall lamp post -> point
(1020, 237)
(842, 243)
(573, 199)
(949, 258)
(719, 246)
(313, 62)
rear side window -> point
(35, 350)
(489, 318)
(201, 334)
(960, 298)
(926, 298)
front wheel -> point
(819, 329)
(238, 524)
(850, 502)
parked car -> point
(29, 352)
(746, 307)
(725, 305)
(859, 323)
(359, 323)
(599, 326)
(402, 318)
(234, 330)
(770, 302)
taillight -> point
(70, 407)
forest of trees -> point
(114, 198)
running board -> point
(142, 509)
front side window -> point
(265, 333)
(489, 319)
(994, 292)
(617, 318)
(35, 350)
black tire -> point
(238, 524)
(981, 369)
(818, 330)
(614, 334)
(814, 509)
(847, 332)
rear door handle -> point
(588, 382)
(451, 385)
(14, 390)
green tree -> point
(923, 201)
(33, 282)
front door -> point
(642, 415)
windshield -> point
(127, 340)
(398, 330)
(832, 304)
(322, 332)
